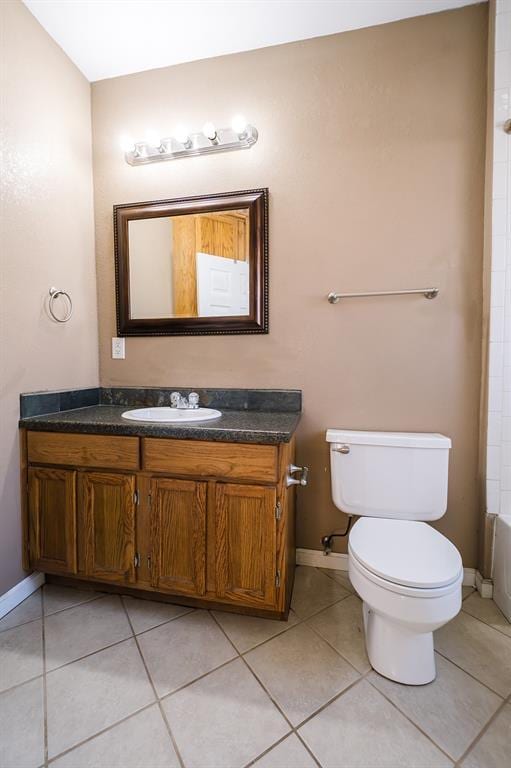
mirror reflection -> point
(194, 265)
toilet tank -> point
(399, 475)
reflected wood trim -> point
(257, 321)
(184, 266)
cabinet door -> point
(107, 510)
(52, 519)
(246, 554)
(178, 534)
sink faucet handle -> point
(193, 400)
(175, 399)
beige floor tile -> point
(466, 592)
(493, 750)
(452, 710)
(486, 610)
(21, 654)
(141, 740)
(84, 629)
(290, 753)
(224, 719)
(57, 598)
(361, 729)
(248, 631)
(313, 591)
(28, 610)
(341, 577)
(300, 671)
(21, 726)
(146, 614)
(342, 626)
(178, 652)
(93, 693)
(478, 649)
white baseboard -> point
(339, 562)
(316, 558)
(20, 592)
(483, 586)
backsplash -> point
(268, 400)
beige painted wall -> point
(372, 145)
(47, 238)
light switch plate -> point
(118, 348)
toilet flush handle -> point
(291, 470)
(342, 449)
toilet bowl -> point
(400, 618)
(408, 575)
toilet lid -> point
(405, 552)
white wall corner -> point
(9, 600)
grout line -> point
(318, 634)
(500, 631)
(101, 732)
(407, 717)
(158, 700)
(97, 596)
(45, 689)
(167, 695)
(482, 731)
(167, 621)
(18, 685)
(444, 656)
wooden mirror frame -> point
(256, 200)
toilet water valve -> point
(292, 470)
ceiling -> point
(107, 38)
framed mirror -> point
(192, 266)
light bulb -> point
(126, 143)
(183, 136)
(152, 139)
(209, 130)
(239, 125)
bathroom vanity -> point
(200, 514)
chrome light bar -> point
(219, 140)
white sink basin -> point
(167, 415)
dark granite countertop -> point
(239, 426)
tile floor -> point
(89, 680)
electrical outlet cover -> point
(118, 348)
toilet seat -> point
(405, 555)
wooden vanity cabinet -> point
(178, 536)
(200, 522)
(106, 511)
(52, 519)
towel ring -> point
(54, 294)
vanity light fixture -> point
(241, 135)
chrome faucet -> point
(177, 400)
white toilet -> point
(408, 575)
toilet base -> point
(395, 652)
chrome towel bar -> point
(428, 293)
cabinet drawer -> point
(240, 461)
(104, 451)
